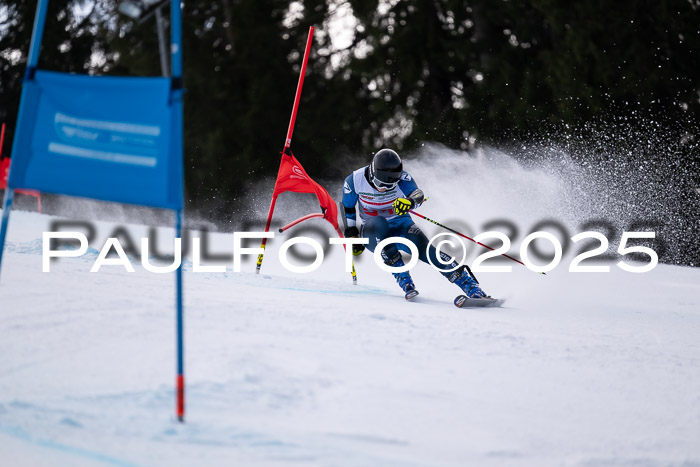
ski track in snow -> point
(576, 369)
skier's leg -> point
(461, 276)
(377, 229)
(464, 278)
(413, 233)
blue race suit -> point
(381, 222)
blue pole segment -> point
(177, 174)
(32, 61)
(180, 380)
(6, 207)
(176, 94)
(37, 33)
(178, 280)
(176, 39)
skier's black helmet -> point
(385, 169)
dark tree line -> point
(453, 71)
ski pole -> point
(467, 237)
(342, 235)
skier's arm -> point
(414, 198)
(350, 198)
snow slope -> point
(577, 369)
(283, 369)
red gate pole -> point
(288, 140)
(2, 139)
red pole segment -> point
(2, 139)
(300, 85)
(180, 385)
(288, 140)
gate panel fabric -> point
(106, 138)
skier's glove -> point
(403, 205)
(353, 232)
(288, 152)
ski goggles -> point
(391, 177)
(380, 184)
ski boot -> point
(468, 283)
(403, 278)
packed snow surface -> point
(578, 369)
(598, 369)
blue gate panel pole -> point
(6, 206)
(32, 60)
(178, 182)
(180, 329)
(37, 34)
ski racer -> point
(385, 194)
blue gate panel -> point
(107, 138)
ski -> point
(463, 301)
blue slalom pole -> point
(32, 61)
(6, 207)
(176, 39)
(176, 113)
(37, 34)
(180, 329)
